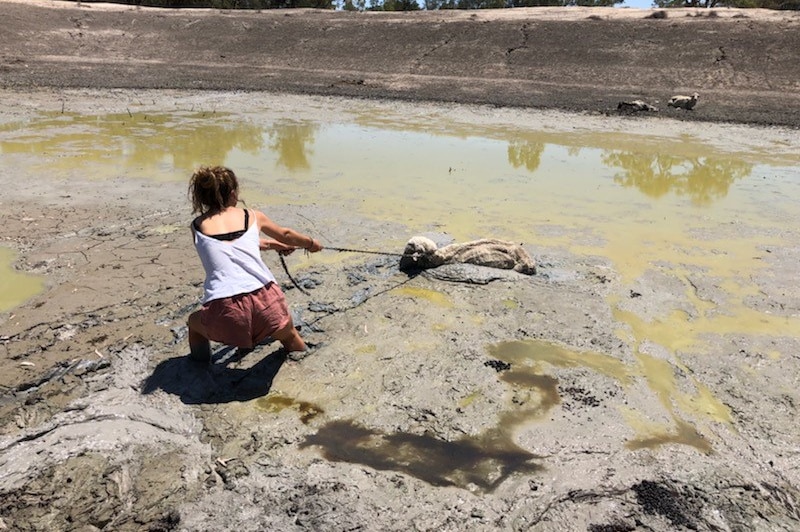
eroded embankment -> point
(742, 63)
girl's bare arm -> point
(285, 235)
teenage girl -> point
(242, 303)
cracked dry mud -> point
(432, 405)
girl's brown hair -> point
(211, 188)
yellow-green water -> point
(15, 286)
(527, 357)
(635, 199)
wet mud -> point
(619, 388)
(432, 404)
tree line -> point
(414, 5)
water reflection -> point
(290, 140)
(702, 179)
(125, 141)
(525, 153)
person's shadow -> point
(198, 383)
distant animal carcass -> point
(636, 105)
(684, 102)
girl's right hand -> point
(314, 247)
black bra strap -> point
(228, 236)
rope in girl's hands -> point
(274, 245)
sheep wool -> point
(684, 102)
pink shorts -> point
(244, 320)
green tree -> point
(565, 3)
(224, 4)
(432, 5)
(400, 5)
(686, 3)
(412, 5)
(481, 4)
(793, 5)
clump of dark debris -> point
(658, 499)
(497, 365)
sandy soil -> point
(403, 420)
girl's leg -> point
(199, 346)
(290, 338)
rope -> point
(348, 250)
(289, 275)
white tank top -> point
(232, 267)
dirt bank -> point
(433, 405)
(744, 64)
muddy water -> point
(529, 362)
(15, 286)
(669, 205)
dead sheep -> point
(635, 106)
(422, 253)
(684, 102)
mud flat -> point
(551, 402)
(558, 402)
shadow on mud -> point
(215, 383)
(476, 463)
